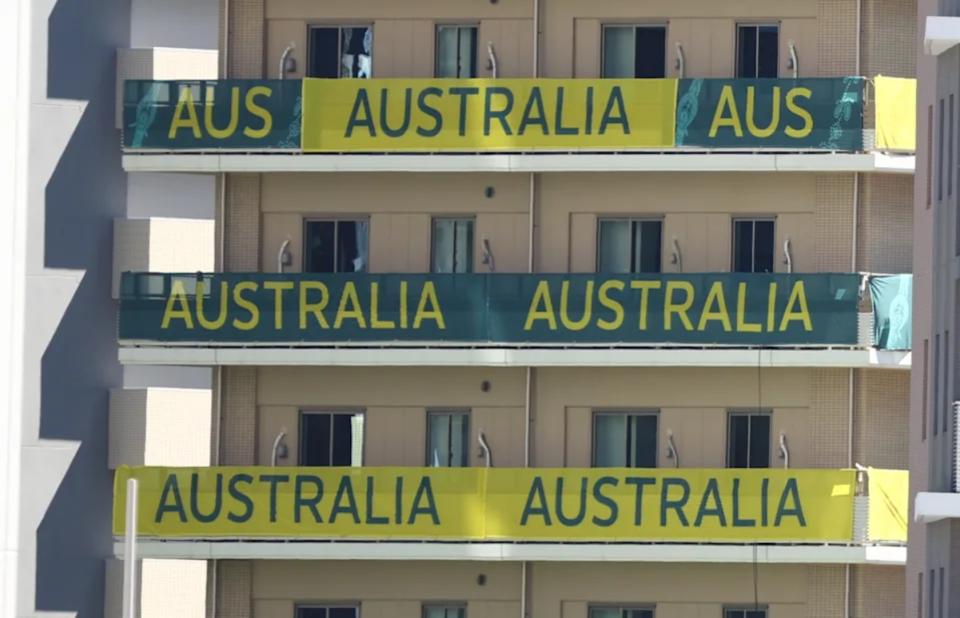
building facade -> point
(543, 308)
(932, 570)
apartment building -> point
(544, 308)
(932, 568)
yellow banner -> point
(896, 107)
(549, 504)
(487, 114)
(889, 498)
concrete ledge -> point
(515, 357)
(510, 552)
(678, 161)
(934, 506)
(941, 33)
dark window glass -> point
(940, 148)
(620, 612)
(334, 439)
(324, 54)
(625, 440)
(456, 51)
(936, 384)
(311, 612)
(448, 439)
(344, 612)
(444, 611)
(452, 246)
(753, 245)
(335, 246)
(758, 51)
(651, 49)
(634, 51)
(340, 52)
(745, 613)
(629, 246)
(748, 440)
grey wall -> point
(75, 188)
(196, 23)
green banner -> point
(806, 114)
(892, 298)
(722, 308)
(254, 114)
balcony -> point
(719, 319)
(523, 125)
(699, 515)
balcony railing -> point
(517, 115)
(511, 310)
(518, 505)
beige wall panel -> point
(803, 243)
(344, 12)
(577, 427)
(879, 591)
(280, 33)
(400, 243)
(335, 193)
(795, 425)
(391, 609)
(714, 45)
(395, 581)
(882, 404)
(394, 386)
(403, 48)
(491, 609)
(583, 243)
(271, 420)
(562, 589)
(394, 436)
(503, 430)
(278, 228)
(513, 42)
(508, 234)
(586, 49)
(698, 434)
(270, 608)
(803, 33)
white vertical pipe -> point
(536, 38)
(130, 553)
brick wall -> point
(234, 589)
(837, 21)
(829, 403)
(242, 224)
(877, 591)
(825, 591)
(833, 222)
(889, 38)
(238, 429)
(246, 28)
(882, 401)
(884, 241)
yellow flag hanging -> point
(896, 107)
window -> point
(629, 245)
(940, 601)
(950, 148)
(748, 440)
(444, 611)
(634, 51)
(340, 51)
(625, 440)
(926, 360)
(331, 439)
(452, 246)
(327, 611)
(758, 50)
(448, 439)
(946, 380)
(335, 246)
(456, 51)
(940, 152)
(936, 384)
(621, 612)
(753, 245)
(920, 591)
(930, 162)
(933, 590)
(735, 612)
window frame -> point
(732, 412)
(665, 25)
(473, 240)
(445, 605)
(340, 410)
(336, 219)
(742, 608)
(435, 411)
(628, 412)
(436, 47)
(339, 26)
(753, 255)
(736, 42)
(633, 221)
(622, 607)
(354, 605)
